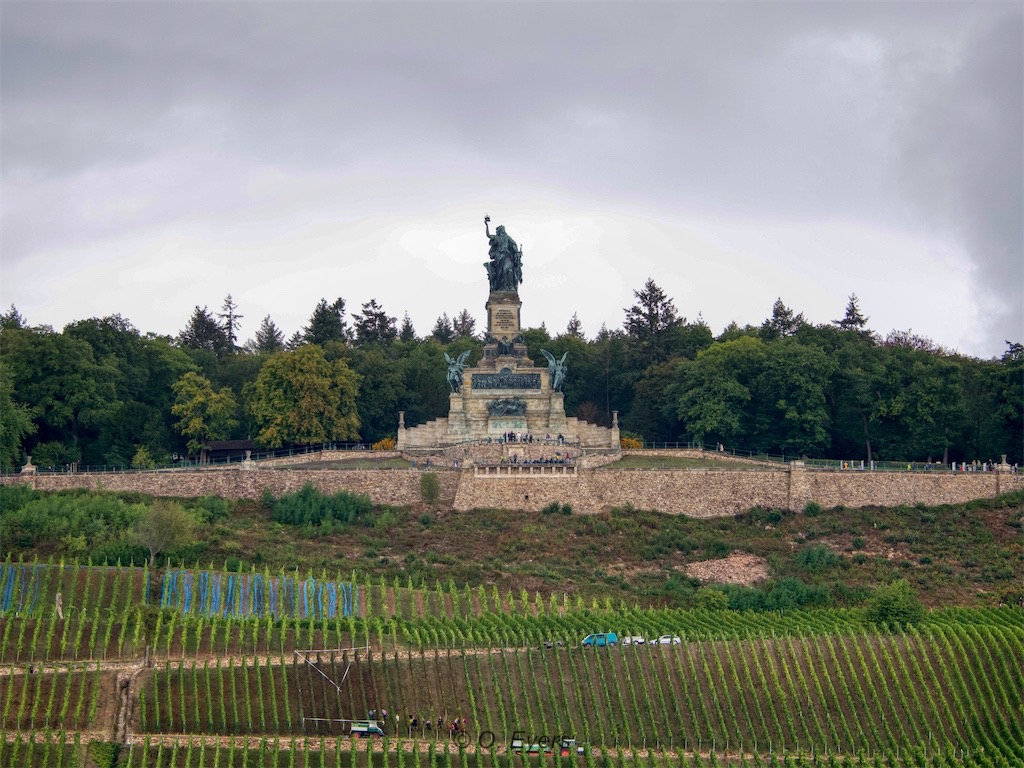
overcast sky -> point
(159, 156)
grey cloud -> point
(900, 114)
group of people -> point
(455, 726)
(558, 458)
(527, 438)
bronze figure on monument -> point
(505, 268)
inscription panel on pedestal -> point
(504, 322)
(499, 426)
(505, 379)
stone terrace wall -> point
(697, 493)
(383, 486)
(852, 488)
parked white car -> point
(633, 640)
(666, 640)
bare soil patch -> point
(738, 568)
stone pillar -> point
(556, 417)
(1003, 468)
(247, 462)
(457, 426)
(400, 442)
(615, 431)
(29, 468)
(799, 492)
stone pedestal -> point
(504, 347)
(457, 425)
(556, 418)
(503, 314)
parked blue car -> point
(600, 640)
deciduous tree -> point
(717, 390)
(302, 397)
(15, 421)
(203, 413)
(164, 527)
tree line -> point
(102, 392)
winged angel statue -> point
(556, 369)
(455, 368)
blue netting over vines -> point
(239, 595)
(19, 586)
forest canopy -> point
(100, 392)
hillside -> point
(220, 675)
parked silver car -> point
(665, 640)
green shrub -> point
(104, 753)
(712, 599)
(812, 509)
(309, 508)
(714, 549)
(430, 487)
(554, 508)
(895, 604)
(52, 518)
(774, 596)
(817, 558)
(859, 542)
(143, 459)
(760, 516)
(212, 508)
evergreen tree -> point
(853, 320)
(407, 332)
(464, 325)
(12, 318)
(373, 326)
(443, 331)
(651, 322)
(269, 338)
(327, 323)
(230, 316)
(204, 332)
(295, 341)
(575, 327)
(782, 323)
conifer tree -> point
(407, 332)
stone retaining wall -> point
(697, 493)
(384, 486)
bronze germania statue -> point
(505, 269)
